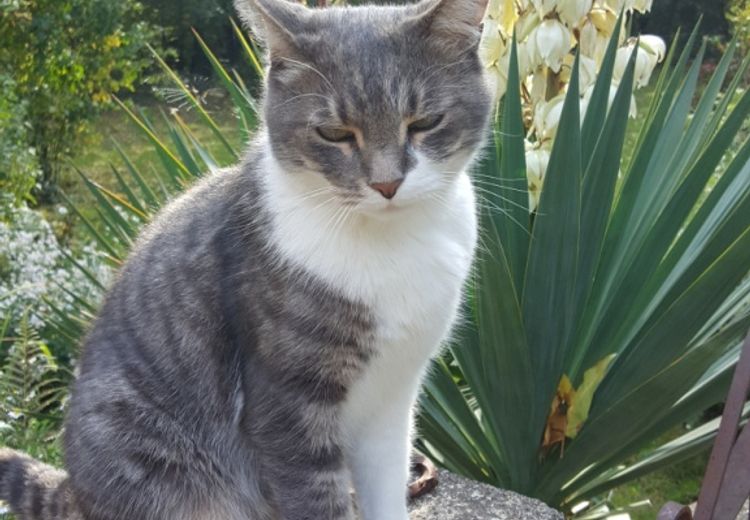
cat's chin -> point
(391, 209)
(385, 211)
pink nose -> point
(387, 189)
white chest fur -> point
(408, 265)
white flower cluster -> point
(547, 32)
(33, 267)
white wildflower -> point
(572, 11)
(537, 160)
(553, 42)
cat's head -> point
(386, 105)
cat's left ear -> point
(276, 23)
(456, 24)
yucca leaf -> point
(196, 104)
(170, 161)
(510, 193)
(251, 53)
(106, 243)
(148, 194)
(132, 200)
(443, 392)
(499, 367)
(209, 161)
(240, 97)
(116, 222)
(600, 181)
(598, 104)
(548, 303)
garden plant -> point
(606, 308)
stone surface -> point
(745, 513)
(456, 498)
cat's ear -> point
(276, 23)
(456, 24)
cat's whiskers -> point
(301, 96)
(488, 205)
(485, 175)
(322, 204)
(486, 181)
(324, 190)
(312, 68)
(489, 193)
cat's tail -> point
(35, 491)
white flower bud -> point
(587, 39)
(492, 46)
(497, 76)
(654, 45)
(552, 41)
(547, 117)
(645, 63)
(642, 6)
(537, 160)
(544, 7)
(587, 74)
(527, 23)
(604, 20)
(572, 11)
(528, 60)
(619, 5)
(538, 85)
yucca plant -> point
(595, 323)
(614, 312)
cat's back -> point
(160, 373)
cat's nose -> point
(387, 189)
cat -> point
(261, 350)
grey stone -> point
(745, 513)
(457, 498)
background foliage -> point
(66, 58)
(157, 150)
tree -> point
(67, 58)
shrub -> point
(38, 276)
(18, 169)
(67, 57)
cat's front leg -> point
(379, 455)
(303, 463)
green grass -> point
(679, 483)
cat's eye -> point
(425, 124)
(336, 135)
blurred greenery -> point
(667, 16)
(19, 169)
(66, 58)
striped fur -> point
(34, 490)
(261, 349)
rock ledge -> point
(457, 498)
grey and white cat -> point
(261, 350)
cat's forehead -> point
(362, 36)
(373, 58)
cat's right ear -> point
(276, 23)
